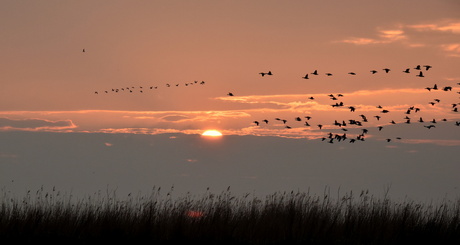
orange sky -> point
(47, 78)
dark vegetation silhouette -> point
(280, 218)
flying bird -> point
(351, 73)
(266, 73)
(306, 76)
(373, 71)
(420, 75)
(256, 122)
(386, 70)
(417, 67)
(407, 70)
(427, 67)
(230, 94)
(315, 72)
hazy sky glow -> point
(166, 67)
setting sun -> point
(212, 133)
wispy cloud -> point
(433, 141)
(416, 36)
(35, 124)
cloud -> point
(442, 35)
(35, 124)
(173, 118)
(433, 141)
(452, 26)
(452, 49)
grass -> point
(280, 218)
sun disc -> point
(212, 133)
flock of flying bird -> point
(331, 138)
(141, 89)
(420, 68)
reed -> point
(223, 218)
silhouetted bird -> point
(427, 67)
(420, 75)
(305, 77)
(311, 98)
(315, 72)
(380, 128)
(386, 70)
(256, 122)
(266, 121)
(320, 126)
(351, 73)
(385, 111)
(328, 74)
(417, 67)
(230, 94)
(351, 108)
(373, 71)
(266, 73)
(407, 70)
(429, 126)
(83, 50)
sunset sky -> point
(97, 93)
